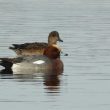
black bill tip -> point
(60, 40)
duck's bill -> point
(60, 40)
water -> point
(84, 25)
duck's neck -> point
(56, 46)
(52, 43)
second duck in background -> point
(36, 48)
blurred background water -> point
(84, 25)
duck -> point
(36, 48)
(49, 62)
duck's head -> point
(52, 52)
(54, 37)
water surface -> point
(84, 25)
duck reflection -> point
(52, 82)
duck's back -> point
(35, 48)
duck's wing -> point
(35, 45)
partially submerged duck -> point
(36, 48)
(48, 62)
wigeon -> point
(36, 48)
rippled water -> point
(84, 25)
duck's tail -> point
(15, 46)
(12, 48)
(6, 62)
